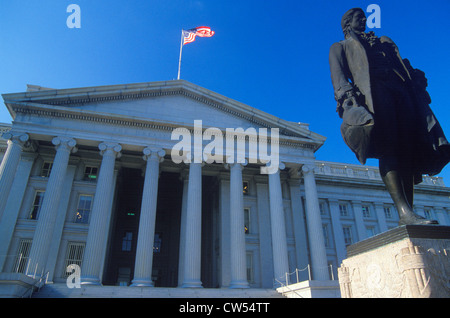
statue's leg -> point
(407, 180)
(402, 192)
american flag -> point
(203, 31)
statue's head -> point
(354, 20)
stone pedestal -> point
(411, 261)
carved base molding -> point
(411, 261)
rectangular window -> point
(37, 203)
(348, 237)
(126, 241)
(84, 208)
(249, 263)
(247, 220)
(90, 173)
(366, 211)
(343, 209)
(387, 212)
(427, 214)
(46, 169)
(23, 253)
(74, 255)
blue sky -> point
(269, 54)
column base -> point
(239, 284)
(142, 283)
(91, 281)
(192, 284)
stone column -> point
(237, 231)
(147, 220)
(13, 204)
(98, 225)
(184, 177)
(193, 242)
(265, 235)
(9, 164)
(359, 220)
(315, 232)
(278, 227)
(47, 217)
(379, 210)
(338, 233)
(301, 241)
(224, 237)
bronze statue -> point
(385, 110)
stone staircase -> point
(62, 291)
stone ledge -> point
(397, 234)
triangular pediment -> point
(175, 103)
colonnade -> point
(190, 242)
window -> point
(90, 173)
(387, 212)
(22, 256)
(126, 241)
(37, 203)
(245, 187)
(343, 209)
(427, 214)
(249, 264)
(348, 237)
(74, 255)
(247, 220)
(46, 169)
(83, 209)
(366, 211)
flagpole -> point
(181, 50)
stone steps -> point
(62, 291)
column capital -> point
(156, 153)
(110, 147)
(16, 137)
(240, 165)
(308, 168)
(272, 168)
(65, 143)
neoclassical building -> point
(88, 177)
